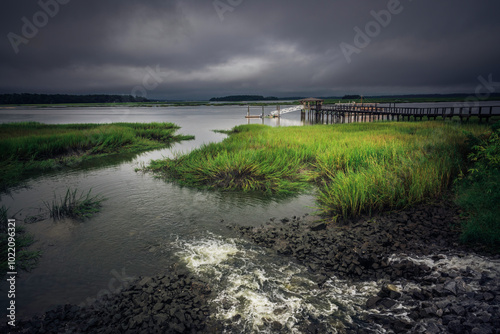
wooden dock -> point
(254, 116)
(346, 113)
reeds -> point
(358, 168)
(74, 206)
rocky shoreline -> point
(172, 303)
(429, 283)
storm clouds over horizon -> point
(191, 49)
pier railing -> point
(396, 113)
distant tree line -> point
(234, 98)
(351, 97)
(26, 98)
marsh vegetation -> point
(30, 147)
(361, 168)
(74, 205)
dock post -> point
(248, 112)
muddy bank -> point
(428, 282)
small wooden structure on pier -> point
(311, 102)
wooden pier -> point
(254, 116)
(351, 112)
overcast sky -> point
(197, 49)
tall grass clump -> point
(358, 168)
(478, 191)
(74, 206)
(31, 147)
(241, 165)
(25, 259)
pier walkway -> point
(347, 112)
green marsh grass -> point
(25, 259)
(74, 206)
(358, 168)
(30, 147)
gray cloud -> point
(259, 47)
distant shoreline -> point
(240, 103)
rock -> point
(461, 286)
(387, 303)
(372, 302)
(276, 326)
(458, 310)
(318, 226)
(481, 330)
(432, 328)
(451, 286)
(390, 291)
(158, 307)
(177, 328)
(487, 296)
(455, 326)
(430, 311)
(144, 281)
(180, 315)
(161, 318)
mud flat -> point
(428, 282)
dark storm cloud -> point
(199, 49)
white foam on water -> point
(255, 291)
(446, 263)
(206, 255)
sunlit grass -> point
(358, 168)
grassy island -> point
(29, 148)
(359, 168)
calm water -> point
(146, 224)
